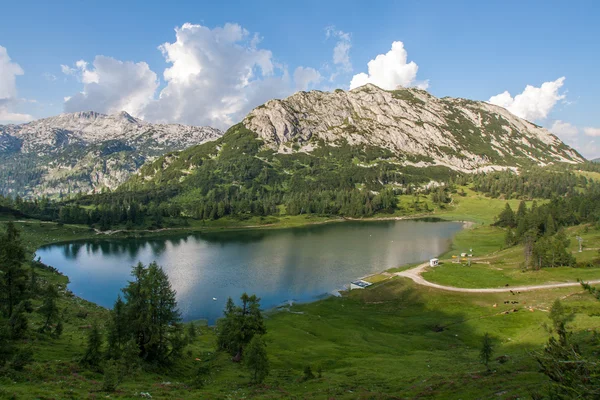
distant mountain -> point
(85, 151)
(596, 160)
(323, 151)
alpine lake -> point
(278, 265)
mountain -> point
(596, 160)
(342, 152)
(85, 151)
(460, 134)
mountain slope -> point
(460, 134)
(343, 153)
(85, 151)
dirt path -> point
(415, 275)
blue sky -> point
(213, 73)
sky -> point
(209, 63)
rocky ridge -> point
(85, 151)
(461, 134)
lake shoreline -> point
(339, 285)
(93, 233)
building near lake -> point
(359, 284)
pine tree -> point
(487, 349)
(18, 320)
(153, 315)
(118, 330)
(256, 359)
(13, 276)
(93, 351)
(240, 324)
(49, 309)
(506, 217)
(550, 226)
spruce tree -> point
(93, 350)
(153, 315)
(506, 217)
(550, 226)
(256, 359)
(487, 349)
(118, 330)
(240, 324)
(49, 309)
(13, 276)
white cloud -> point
(68, 70)
(8, 89)
(306, 77)
(533, 103)
(390, 70)
(112, 86)
(341, 51)
(563, 130)
(49, 77)
(216, 76)
(589, 131)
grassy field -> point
(497, 267)
(392, 340)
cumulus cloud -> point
(8, 89)
(306, 77)
(390, 70)
(534, 103)
(589, 131)
(216, 76)
(111, 85)
(564, 130)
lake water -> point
(300, 264)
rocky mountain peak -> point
(461, 134)
(86, 150)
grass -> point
(499, 267)
(392, 340)
(476, 207)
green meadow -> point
(392, 340)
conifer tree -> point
(49, 309)
(153, 316)
(256, 359)
(13, 276)
(93, 351)
(240, 324)
(487, 349)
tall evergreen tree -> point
(256, 359)
(49, 309)
(240, 324)
(506, 217)
(13, 275)
(153, 314)
(93, 350)
(118, 330)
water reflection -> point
(278, 265)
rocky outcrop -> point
(461, 134)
